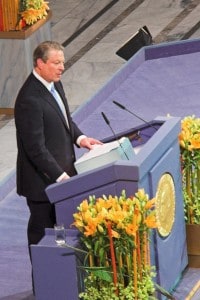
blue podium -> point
(158, 156)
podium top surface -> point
(158, 80)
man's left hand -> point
(88, 143)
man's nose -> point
(62, 66)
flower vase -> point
(193, 245)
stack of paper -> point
(104, 154)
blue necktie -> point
(59, 102)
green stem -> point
(198, 179)
(189, 194)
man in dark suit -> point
(46, 135)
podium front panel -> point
(171, 250)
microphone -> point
(132, 113)
(108, 123)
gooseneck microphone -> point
(108, 123)
(132, 113)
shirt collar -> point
(47, 84)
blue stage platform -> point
(158, 80)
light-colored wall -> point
(16, 62)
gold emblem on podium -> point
(165, 204)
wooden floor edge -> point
(193, 291)
(7, 111)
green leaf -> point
(104, 273)
(163, 291)
(96, 247)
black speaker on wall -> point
(140, 39)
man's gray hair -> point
(42, 50)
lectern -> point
(158, 157)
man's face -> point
(52, 69)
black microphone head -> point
(119, 104)
(105, 118)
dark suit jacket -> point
(45, 143)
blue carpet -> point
(15, 267)
(190, 277)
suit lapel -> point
(47, 96)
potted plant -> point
(189, 139)
(115, 233)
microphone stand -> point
(108, 123)
(132, 113)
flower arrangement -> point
(189, 139)
(115, 232)
(17, 14)
(30, 11)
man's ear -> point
(40, 63)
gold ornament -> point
(165, 204)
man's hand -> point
(88, 143)
(64, 176)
